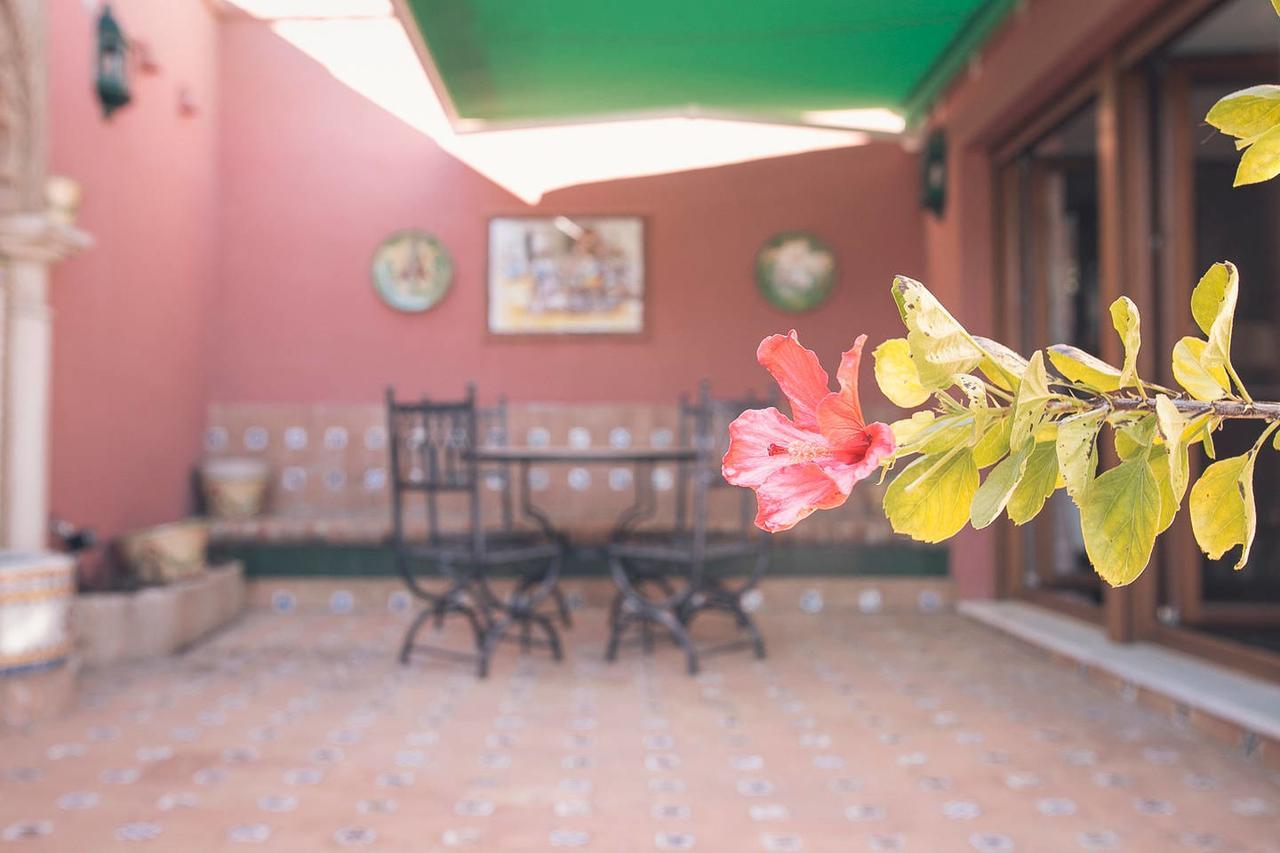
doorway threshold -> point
(1226, 704)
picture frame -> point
(566, 275)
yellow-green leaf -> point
(1124, 316)
(1077, 449)
(940, 346)
(1213, 305)
(994, 443)
(1261, 160)
(1207, 438)
(1030, 404)
(1039, 479)
(929, 501)
(1159, 458)
(1248, 113)
(1203, 383)
(1133, 436)
(1119, 517)
(1083, 368)
(906, 430)
(1002, 365)
(941, 434)
(994, 493)
(1222, 509)
(897, 376)
(1177, 430)
(973, 388)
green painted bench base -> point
(322, 559)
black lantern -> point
(933, 173)
(113, 77)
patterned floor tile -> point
(865, 729)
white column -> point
(29, 245)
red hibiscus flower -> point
(811, 460)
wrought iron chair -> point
(430, 446)
(494, 432)
(668, 578)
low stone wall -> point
(122, 626)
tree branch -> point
(1226, 409)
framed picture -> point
(795, 271)
(412, 271)
(576, 275)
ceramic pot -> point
(167, 553)
(235, 488)
(36, 591)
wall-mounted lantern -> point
(933, 173)
(113, 76)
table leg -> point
(532, 512)
(644, 506)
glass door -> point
(1203, 219)
(1052, 270)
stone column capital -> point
(39, 238)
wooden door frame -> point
(1141, 248)
(1119, 611)
(1189, 611)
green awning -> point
(535, 61)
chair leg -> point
(491, 639)
(562, 606)
(478, 626)
(616, 629)
(615, 609)
(746, 623)
(680, 635)
(553, 637)
(406, 647)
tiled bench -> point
(329, 488)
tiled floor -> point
(920, 732)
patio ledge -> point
(1250, 703)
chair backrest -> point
(430, 444)
(704, 425)
(493, 432)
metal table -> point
(643, 459)
(675, 608)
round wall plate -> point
(795, 271)
(412, 271)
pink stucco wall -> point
(233, 249)
(130, 314)
(314, 176)
(233, 245)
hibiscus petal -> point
(797, 372)
(793, 493)
(879, 446)
(848, 375)
(840, 423)
(748, 461)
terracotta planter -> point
(168, 553)
(235, 488)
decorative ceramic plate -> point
(412, 271)
(795, 271)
